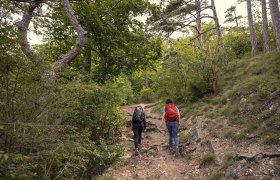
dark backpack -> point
(136, 118)
(171, 113)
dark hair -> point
(168, 101)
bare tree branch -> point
(81, 40)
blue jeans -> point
(172, 127)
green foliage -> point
(117, 41)
(206, 159)
(34, 147)
(95, 107)
(237, 43)
(147, 95)
(181, 77)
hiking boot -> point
(177, 153)
(171, 151)
(139, 147)
(136, 152)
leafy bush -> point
(146, 95)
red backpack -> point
(171, 113)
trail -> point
(204, 135)
(154, 160)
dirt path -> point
(155, 162)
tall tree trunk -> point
(198, 23)
(218, 31)
(236, 20)
(275, 16)
(266, 44)
(251, 27)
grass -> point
(239, 136)
(183, 137)
(229, 133)
(105, 177)
(228, 160)
(218, 175)
(206, 159)
(256, 81)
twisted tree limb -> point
(23, 28)
(80, 42)
(24, 25)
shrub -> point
(238, 137)
(206, 158)
(228, 160)
(229, 133)
(183, 137)
(218, 175)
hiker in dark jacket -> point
(138, 125)
(171, 115)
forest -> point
(61, 100)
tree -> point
(198, 22)
(218, 31)
(275, 16)
(24, 25)
(254, 50)
(231, 16)
(266, 43)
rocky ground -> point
(205, 153)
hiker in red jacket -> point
(171, 115)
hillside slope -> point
(232, 135)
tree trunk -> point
(266, 44)
(275, 16)
(218, 31)
(198, 22)
(251, 27)
(49, 75)
(236, 20)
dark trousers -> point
(137, 131)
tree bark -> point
(266, 44)
(275, 16)
(198, 22)
(254, 50)
(23, 26)
(218, 31)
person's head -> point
(141, 106)
(168, 101)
